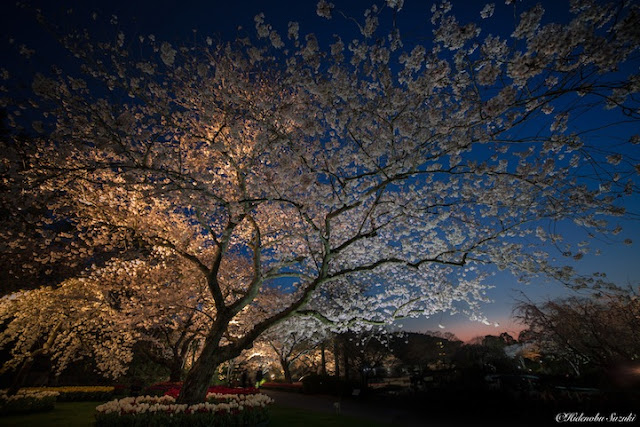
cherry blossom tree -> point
(406, 171)
(67, 323)
(164, 302)
(600, 329)
(292, 340)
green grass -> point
(80, 414)
(71, 414)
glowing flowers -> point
(218, 409)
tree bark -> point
(28, 363)
(175, 370)
(194, 388)
(336, 357)
(346, 367)
(346, 362)
(25, 368)
(323, 360)
(286, 371)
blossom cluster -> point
(67, 322)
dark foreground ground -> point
(464, 408)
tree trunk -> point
(336, 357)
(28, 362)
(323, 360)
(194, 388)
(346, 362)
(286, 371)
(25, 368)
(175, 370)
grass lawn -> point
(72, 414)
(77, 414)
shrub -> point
(26, 401)
(79, 393)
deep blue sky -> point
(175, 21)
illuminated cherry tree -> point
(159, 300)
(72, 321)
(164, 302)
(408, 172)
(291, 341)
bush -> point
(328, 384)
(79, 393)
(219, 410)
(26, 401)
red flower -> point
(173, 392)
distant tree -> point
(362, 352)
(486, 353)
(432, 349)
(600, 329)
(292, 340)
(398, 167)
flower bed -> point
(159, 389)
(25, 401)
(216, 390)
(173, 389)
(219, 410)
(79, 393)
